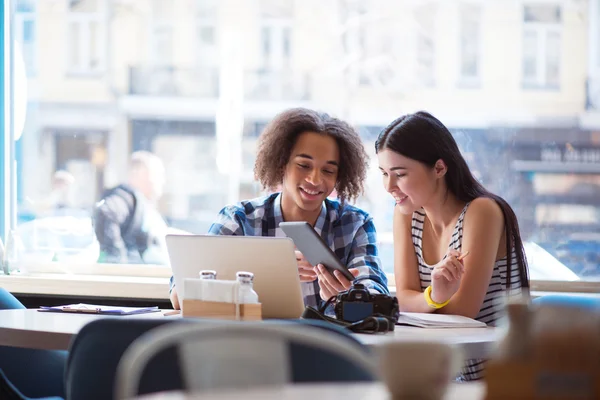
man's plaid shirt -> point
(347, 230)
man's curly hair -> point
(280, 135)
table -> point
(355, 391)
(54, 331)
(45, 330)
(475, 342)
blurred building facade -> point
(195, 81)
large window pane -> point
(116, 78)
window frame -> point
(4, 161)
(8, 201)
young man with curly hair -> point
(306, 155)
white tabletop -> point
(53, 331)
(475, 342)
(354, 391)
(47, 330)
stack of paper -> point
(424, 320)
(98, 309)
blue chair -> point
(239, 355)
(587, 302)
(331, 365)
(30, 372)
(95, 353)
(8, 391)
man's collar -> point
(278, 214)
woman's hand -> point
(446, 277)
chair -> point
(8, 391)
(587, 302)
(29, 373)
(239, 355)
(95, 353)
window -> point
(154, 80)
(86, 36)
(25, 33)
(274, 77)
(206, 33)
(371, 47)
(470, 50)
(276, 44)
(593, 82)
(162, 49)
(541, 46)
(596, 30)
(352, 18)
(161, 52)
(425, 58)
(425, 43)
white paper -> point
(211, 290)
(425, 320)
(99, 309)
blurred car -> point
(55, 238)
(542, 264)
(69, 240)
(581, 252)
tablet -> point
(312, 246)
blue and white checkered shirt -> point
(347, 230)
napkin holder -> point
(552, 352)
(195, 305)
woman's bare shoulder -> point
(484, 209)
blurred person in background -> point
(127, 223)
(60, 200)
(62, 184)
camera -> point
(357, 303)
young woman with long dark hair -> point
(443, 214)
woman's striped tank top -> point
(491, 309)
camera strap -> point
(372, 324)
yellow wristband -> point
(432, 303)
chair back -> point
(8, 391)
(239, 355)
(95, 353)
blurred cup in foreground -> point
(418, 370)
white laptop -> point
(272, 260)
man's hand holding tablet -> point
(314, 255)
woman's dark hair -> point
(279, 137)
(422, 137)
